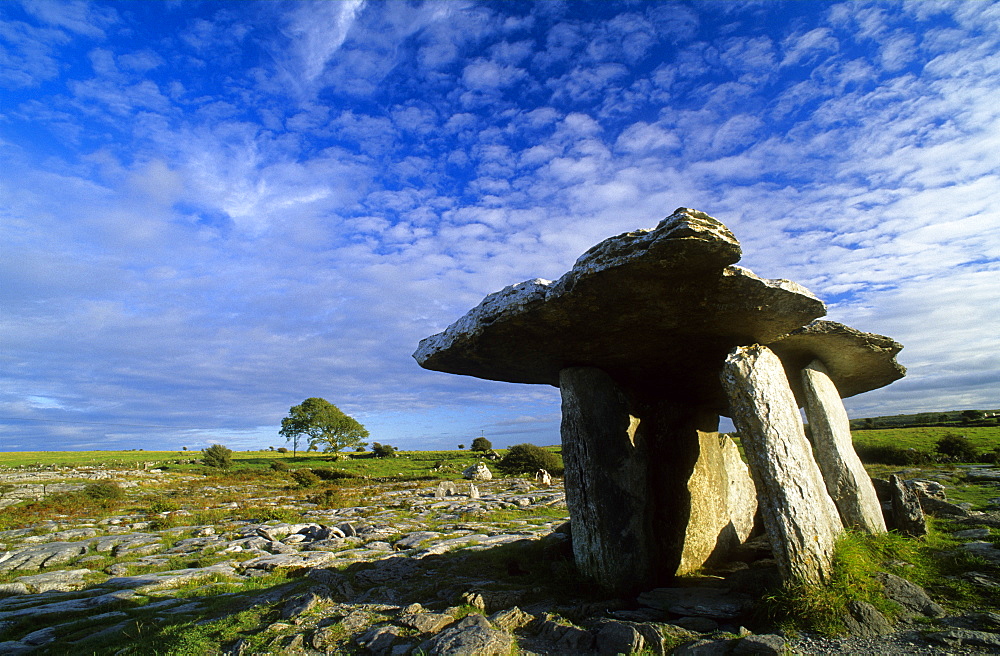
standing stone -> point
(848, 483)
(605, 477)
(473, 491)
(800, 518)
(445, 489)
(723, 503)
(907, 515)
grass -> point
(408, 464)
(983, 438)
(935, 563)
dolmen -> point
(650, 338)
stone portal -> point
(636, 336)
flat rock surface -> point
(409, 567)
(856, 361)
(661, 306)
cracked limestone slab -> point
(855, 361)
(657, 307)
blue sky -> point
(210, 211)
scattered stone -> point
(300, 604)
(962, 637)
(991, 475)
(471, 636)
(981, 579)
(909, 595)
(171, 579)
(863, 619)
(511, 620)
(619, 638)
(490, 601)
(985, 550)
(478, 472)
(380, 639)
(415, 617)
(768, 644)
(412, 540)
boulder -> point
(801, 519)
(907, 515)
(478, 472)
(619, 638)
(445, 489)
(909, 595)
(471, 636)
(767, 644)
(865, 620)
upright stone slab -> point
(907, 515)
(800, 518)
(723, 503)
(605, 476)
(848, 483)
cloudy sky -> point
(210, 211)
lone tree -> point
(481, 444)
(217, 456)
(323, 425)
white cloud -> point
(806, 48)
(485, 74)
(319, 30)
(224, 242)
(644, 138)
(77, 16)
(29, 57)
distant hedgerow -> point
(892, 455)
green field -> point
(412, 463)
(408, 464)
(983, 438)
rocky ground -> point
(412, 568)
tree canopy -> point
(323, 424)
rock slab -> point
(848, 483)
(799, 515)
